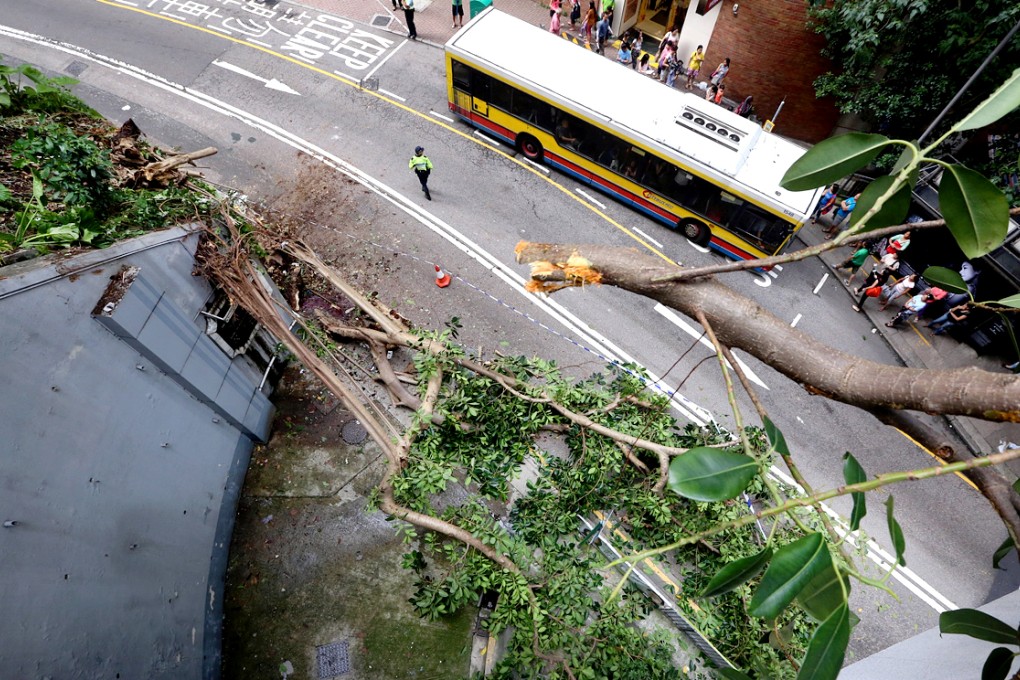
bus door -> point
(470, 90)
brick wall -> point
(774, 55)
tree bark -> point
(741, 322)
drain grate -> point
(354, 432)
(381, 20)
(332, 660)
(76, 68)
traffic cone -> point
(442, 278)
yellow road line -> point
(424, 116)
(932, 454)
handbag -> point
(874, 291)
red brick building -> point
(773, 54)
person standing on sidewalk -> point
(458, 12)
(957, 314)
(422, 167)
(901, 287)
(842, 212)
(694, 65)
(825, 203)
(603, 31)
(408, 6)
(881, 272)
(913, 307)
(854, 262)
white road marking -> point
(271, 83)
(648, 237)
(700, 249)
(391, 95)
(538, 166)
(382, 61)
(440, 116)
(796, 320)
(590, 198)
(673, 317)
(779, 267)
(763, 281)
(681, 403)
(488, 140)
(773, 274)
(825, 277)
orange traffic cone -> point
(442, 278)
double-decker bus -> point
(686, 162)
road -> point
(276, 95)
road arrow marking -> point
(271, 83)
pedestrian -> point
(720, 72)
(636, 48)
(745, 108)
(408, 6)
(874, 290)
(422, 167)
(842, 212)
(694, 65)
(671, 37)
(898, 243)
(588, 25)
(891, 291)
(624, 55)
(913, 307)
(854, 262)
(554, 23)
(881, 272)
(458, 12)
(719, 94)
(957, 314)
(603, 31)
(825, 203)
(665, 59)
(575, 12)
(710, 92)
(643, 67)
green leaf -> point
(893, 211)
(1001, 552)
(997, 665)
(776, 438)
(825, 593)
(1001, 102)
(827, 648)
(946, 278)
(895, 532)
(976, 212)
(978, 625)
(1012, 301)
(736, 573)
(832, 160)
(853, 473)
(705, 474)
(792, 568)
(908, 154)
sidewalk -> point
(919, 347)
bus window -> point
(500, 95)
(533, 110)
(461, 77)
(480, 85)
(633, 163)
(584, 135)
(766, 231)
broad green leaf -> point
(827, 648)
(978, 625)
(825, 593)
(976, 212)
(853, 473)
(705, 474)
(946, 278)
(893, 211)
(832, 160)
(736, 573)
(732, 674)
(1001, 102)
(776, 438)
(1001, 552)
(792, 568)
(895, 532)
(1012, 301)
(908, 154)
(997, 665)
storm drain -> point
(332, 660)
(354, 432)
(76, 68)
(381, 20)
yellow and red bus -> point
(693, 165)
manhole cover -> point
(354, 432)
(76, 68)
(381, 20)
(332, 660)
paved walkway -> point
(916, 346)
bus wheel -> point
(696, 232)
(530, 147)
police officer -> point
(422, 166)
